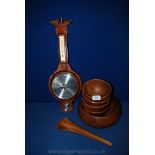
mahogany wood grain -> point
(64, 67)
(108, 119)
(66, 124)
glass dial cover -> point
(64, 86)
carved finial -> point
(61, 25)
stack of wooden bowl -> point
(98, 108)
(96, 97)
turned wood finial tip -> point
(61, 25)
(61, 21)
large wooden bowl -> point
(106, 120)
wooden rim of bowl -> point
(94, 113)
(108, 119)
(95, 105)
(97, 102)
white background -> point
(142, 77)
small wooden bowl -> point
(95, 112)
(108, 119)
(90, 98)
(96, 87)
(95, 108)
(96, 103)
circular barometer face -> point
(64, 86)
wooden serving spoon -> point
(66, 124)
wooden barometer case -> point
(64, 84)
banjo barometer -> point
(64, 84)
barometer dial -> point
(64, 86)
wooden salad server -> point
(66, 124)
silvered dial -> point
(64, 86)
